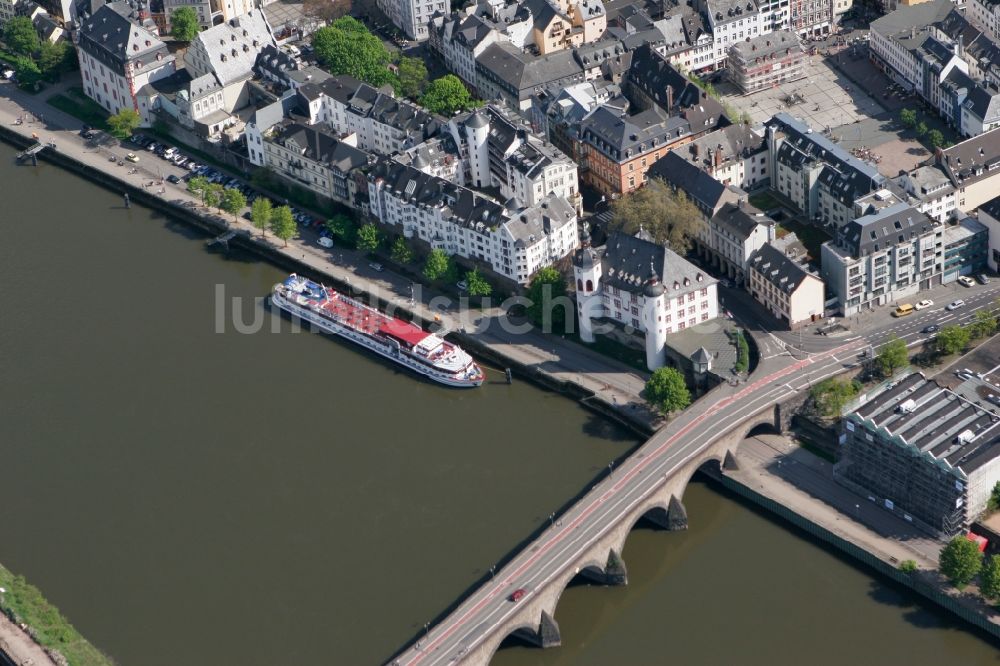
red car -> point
(517, 594)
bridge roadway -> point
(474, 630)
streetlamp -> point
(552, 519)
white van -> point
(325, 241)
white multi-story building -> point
(883, 257)
(413, 16)
(459, 40)
(119, 57)
(512, 243)
(384, 125)
(989, 217)
(229, 51)
(500, 151)
(932, 191)
(789, 292)
(621, 286)
(734, 234)
(732, 21)
(987, 14)
(734, 155)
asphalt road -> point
(610, 500)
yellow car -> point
(132, 157)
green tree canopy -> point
(401, 252)
(477, 284)
(20, 36)
(935, 138)
(346, 47)
(993, 503)
(124, 123)
(983, 324)
(211, 196)
(27, 70)
(342, 228)
(989, 578)
(447, 95)
(548, 301)
(832, 394)
(893, 356)
(197, 184)
(437, 265)
(952, 339)
(368, 238)
(667, 390)
(668, 215)
(908, 117)
(283, 223)
(55, 58)
(960, 561)
(260, 214)
(233, 201)
(412, 77)
(184, 24)
(921, 128)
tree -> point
(260, 214)
(983, 324)
(477, 284)
(197, 185)
(989, 578)
(233, 201)
(893, 356)
(211, 196)
(547, 289)
(935, 138)
(184, 24)
(20, 36)
(346, 47)
(921, 128)
(952, 339)
(908, 118)
(908, 566)
(993, 503)
(282, 223)
(960, 560)
(437, 265)
(53, 59)
(342, 228)
(832, 394)
(668, 215)
(447, 95)
(326, 10)
(368, 238)
(401, 252)
(742, 353)
(412, 77)
(667, 391)
(124, 123)
(28, 74)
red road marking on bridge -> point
(559, 536)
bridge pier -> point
(614, 572)
(546, 636)
(730, 463)
(677, 515)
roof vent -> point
(965, 436)
(907, 406)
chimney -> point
(718, 157)
(670, 97)
(695, 149)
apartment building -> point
(731, 21)
(734, 155)
(735, 233)
(966, 244)
(930, 190)
(312, 157)
(987, 14)
(705, 192)
(459, 40)
(210, 12)
(382, 123)
(989, 217)
(413, 16)
(973, 166)
(926, 453)
(784, 287)
(514, 244)
(883, 257)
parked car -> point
(375, 266)
(966, 281)
(462, 285)
(132, 157)
(982, 279)
(325, 241)
(903, 310)
(926, 303)
(954, 305)
(933, 328)
(173, 179)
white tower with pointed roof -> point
(477, 133)
(653, 311)
(587, 272)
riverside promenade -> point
(604, 383)
(19, 648)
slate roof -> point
(768, 45)
(629, 262)
(699, 185)
(983, 102)
(933, 422)
(653, 74)
(115, 41)
(802, 145)
(781, 271)
(740, 220)
(319, 143)
(973, 159)
(232, 47)
(616, 136)
(736, 141)
(884, 229)
(992, 208)
(523, 72)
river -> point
(190, 496)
